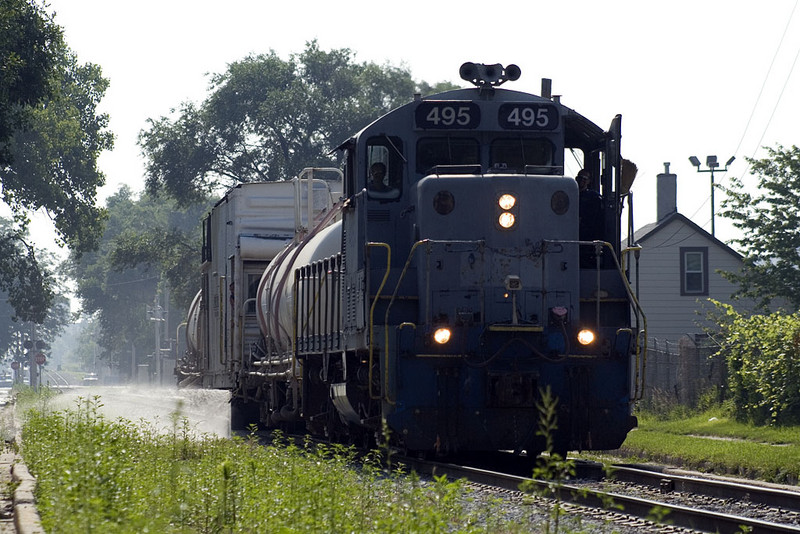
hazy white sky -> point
(689, 77)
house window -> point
(694, 271)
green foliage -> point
(29, 45)
(55, 159)
(34, 293)
(770, 225)
(25, 282)
(763, 357)
(143, 238)
(97, 475)
(50, 138)
(267, 118)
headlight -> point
(506, 210)
(585, 337)
(506, 219)
(506, 201)
(442, 335)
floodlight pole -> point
(712, 164)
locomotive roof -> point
(580, 131)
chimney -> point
(666, 194)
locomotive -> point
(434, 287)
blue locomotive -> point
(434, 287)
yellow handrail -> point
(639, 365)
(371, 322)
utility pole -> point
(33, 368)
(712, 164)
(156, 317)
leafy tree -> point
(147, 242)
(26, 283)
(13, 330)
(770, 224)
(50, 138)
(29, 46)
(267, 118)
(55, 165)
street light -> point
(712, 164)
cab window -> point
(384, 172)
(514, 154)
(434, 151)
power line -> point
(766, 77)
(780, 96)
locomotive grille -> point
(378, 215)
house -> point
(678, 271)
(679, 268)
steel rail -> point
(723, 489)
(678, 515)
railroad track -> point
(682, 501)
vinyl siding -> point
(669, 314)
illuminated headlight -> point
(442, 335)
(585, 337)
(506, 219)
(507, 201)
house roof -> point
(649, 230)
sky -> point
(702, 77)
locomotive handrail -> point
(478, 242)
(372, 322)
(641, 348)
(309, 171)
(626, 251)
(639, 365)
(641, 338)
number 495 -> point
(448, 116)
(528, 117)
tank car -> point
(455, 274)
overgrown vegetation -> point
(762, 353)
(97, 475)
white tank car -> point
(276, 291)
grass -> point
(96, 475)
(711, 441)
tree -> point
(147, 243)
(266, 118)
(770, 225)
(50, 138)
(13, 330)
(29, 46)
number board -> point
(528, 117)
(447, 115)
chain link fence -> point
(681, 373)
